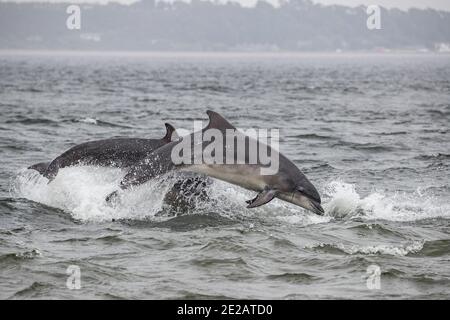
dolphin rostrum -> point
(288, 183)
(115, 152)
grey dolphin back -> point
(160, 161)
(115, 152)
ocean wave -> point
(19, 256)
(88, 120)
(432, 157)
(98, 122)
(313, 136)
(365, 147)
(343, 201)
(81, 191)
(215, 88)
(379, 249)
(435, 248)
(32, 121)
(377, 229)
(393, 133)
(293, 277)
(32, 291)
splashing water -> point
(344, 201)
(88, 120)
(81, 192)
(366, 249)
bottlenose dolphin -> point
(115, 152)
(288, 183)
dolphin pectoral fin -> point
(263, 197)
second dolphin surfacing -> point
(288, 183)
(123, 153)
(114, 152)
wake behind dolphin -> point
(288, 183)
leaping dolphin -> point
(288, 183)
(115, 152)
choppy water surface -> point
(372, 133)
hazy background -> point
(402, 4)
(295, 25)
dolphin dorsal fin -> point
(169, 131)
(216, 121)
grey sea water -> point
(371, 132)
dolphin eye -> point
(301, 189)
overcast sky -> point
(403, 4)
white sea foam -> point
(81, 191)
(394, 250)
(88, 120)
(342, 200)
(385, 249)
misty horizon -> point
(399, 4)
(297, 26)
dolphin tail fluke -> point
(263, 197)
(169, 131)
